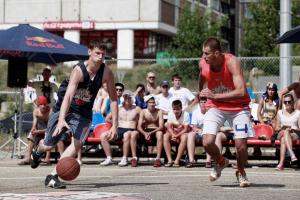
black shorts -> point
(121, 132)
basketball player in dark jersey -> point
(72, 113)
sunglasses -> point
(119, 89)
(271, 89)
(151, 77)
(287, 102)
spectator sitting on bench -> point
(128, 119)
(288, 126)
(195, 136)
(177, 128)
(267, 109)
(151, 125)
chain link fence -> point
(258, 71)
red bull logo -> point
(40, 39)
(43, 42)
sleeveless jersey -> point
(222, 82)
(86, 92)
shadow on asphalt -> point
(254, 185)
(101, 185)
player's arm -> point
(140, 124)
(75, 78)
(108, 77)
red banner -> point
(69, 25)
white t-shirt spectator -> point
(197, 117)
(184, 119)
(182, 94)
(164, 103)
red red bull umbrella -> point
(291, 36)
(39, 46)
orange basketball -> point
(68, 168)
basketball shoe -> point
(242, 179)
(217, 170)
(35, 159)
(54, 182)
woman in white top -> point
(288, 123)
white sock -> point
(53, 173)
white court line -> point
(149, 176)
(266, 189)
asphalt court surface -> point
(146, 182)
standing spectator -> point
(164, 99)
(128, 119)
(151, 125)
(195, 136)
(288, 126)
(151, 87)
(227, 100)
(177, 128)
(45, 87)
(39, 124)
(181, 93)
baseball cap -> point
(164, 83)
(148, 97)
(42, 100)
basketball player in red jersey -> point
(227, 99)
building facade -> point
(130, 28)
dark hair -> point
(120, 85)
(289, 95)
(97, 44)
(177, 103)
(176, 76)
(140, 85)
(265, 95)
(213, 43)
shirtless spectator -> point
(183, 94)
(128, 119)
(151, 87)
(177, 127)
(151, 125)
(164, 99)
(295, 87)
(39, 124)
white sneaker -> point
(106, 162)
(242, 179)
(123, 162)
(217, 170)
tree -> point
(262, 29)
(193, 28)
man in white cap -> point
(164, 99)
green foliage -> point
(262, 29)
(193, 29)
